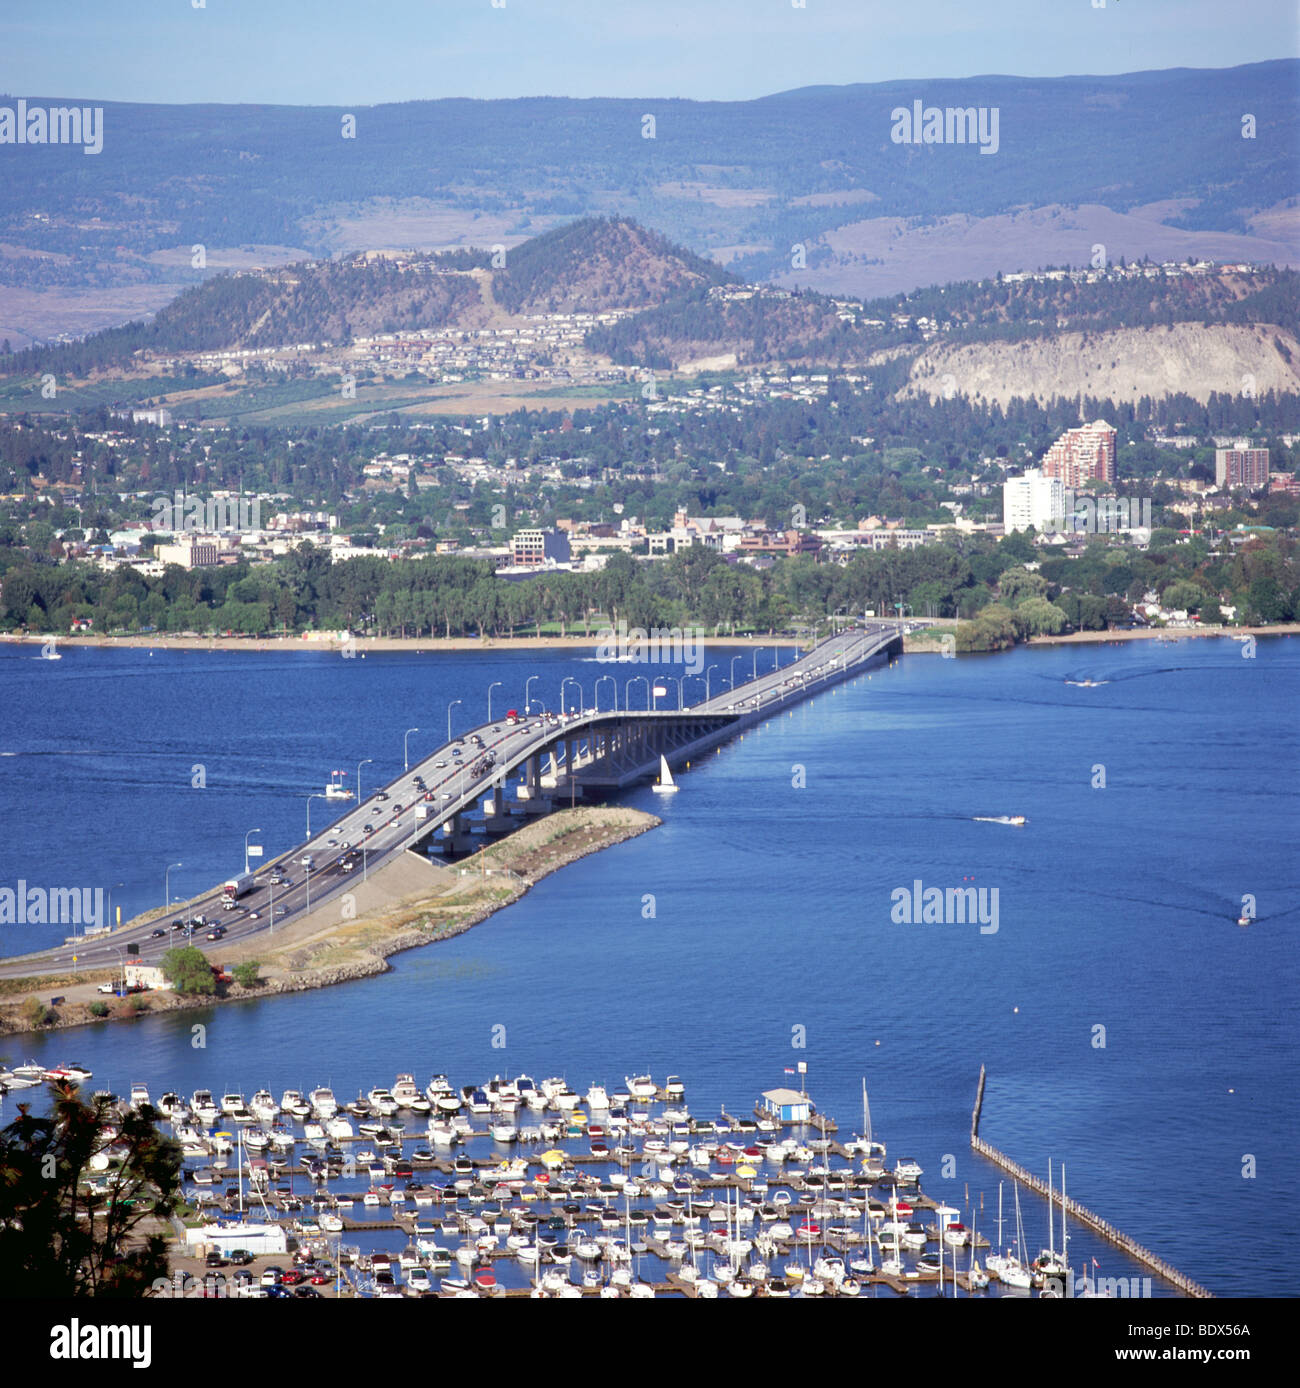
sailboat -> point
(665, 785)
(1047, 1264)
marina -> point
(514, 1188)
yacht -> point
(597, 1098)
(641, 1086)
(205, 1110)
(264, 1106)
(171, 1105)
(139, 1095)
(292, 1102)
(405, 1090)
(323, 1102)
(383, 1102)
(674, 1089)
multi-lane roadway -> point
(453, 778)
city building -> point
(193, 552)
(1035, 499)
(1082, 455)
(538, 547)
(1241, 467)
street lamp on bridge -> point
(735, 658)
(251, 831)
(708, 683)
(564, 683)
(528, 702)
(596, 696)
(406, 757)
(496, 684)
(365, 762)
(167, 884)
(314, 796)
(627, 700)
(451, 706)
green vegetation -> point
(61, 1236)
(188, 971)
(246, 974)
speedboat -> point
(76, 1073)
(641, 1086)
(139, 1095)
(597, 1098)
(292, 1102)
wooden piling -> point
(1080, 1213)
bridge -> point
(489, 781)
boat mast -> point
(1051, 1223)
(1064, 1256)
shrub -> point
(246, 974)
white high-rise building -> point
(1033, 500)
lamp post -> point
(612, 681)
(406, 755)
(314, 796)
(122, 961)
(496, 684)
(627, 698)
(734, 658)
(564, 683)
(679, 679)
(755, 662)
(708, 683)
(528, 703)
(251, 831)
(167, 886)
(110, 900)
(451, 706)
(364, 762)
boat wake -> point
(1087, 684)
(1017, 819)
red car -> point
(293, 1277)
(321, 1279)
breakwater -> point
(1079, 1213)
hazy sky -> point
(319, 52)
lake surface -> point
(756, 928)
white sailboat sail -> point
(665, 785)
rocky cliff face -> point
(1122, 365)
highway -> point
(454, 777)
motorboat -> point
(139, 1095)
(641, 1086)
(292, 1102)
(597, 1098)
(323, 1102)
(264, 1107)
(383, 1102)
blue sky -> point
(318, 52)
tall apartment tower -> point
(1082, 455)
(1033, 500)
(1241, 467)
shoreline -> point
(921, 643)
(403, 925)
(419, 645)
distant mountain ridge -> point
(741, 183)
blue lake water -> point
(753, 930)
